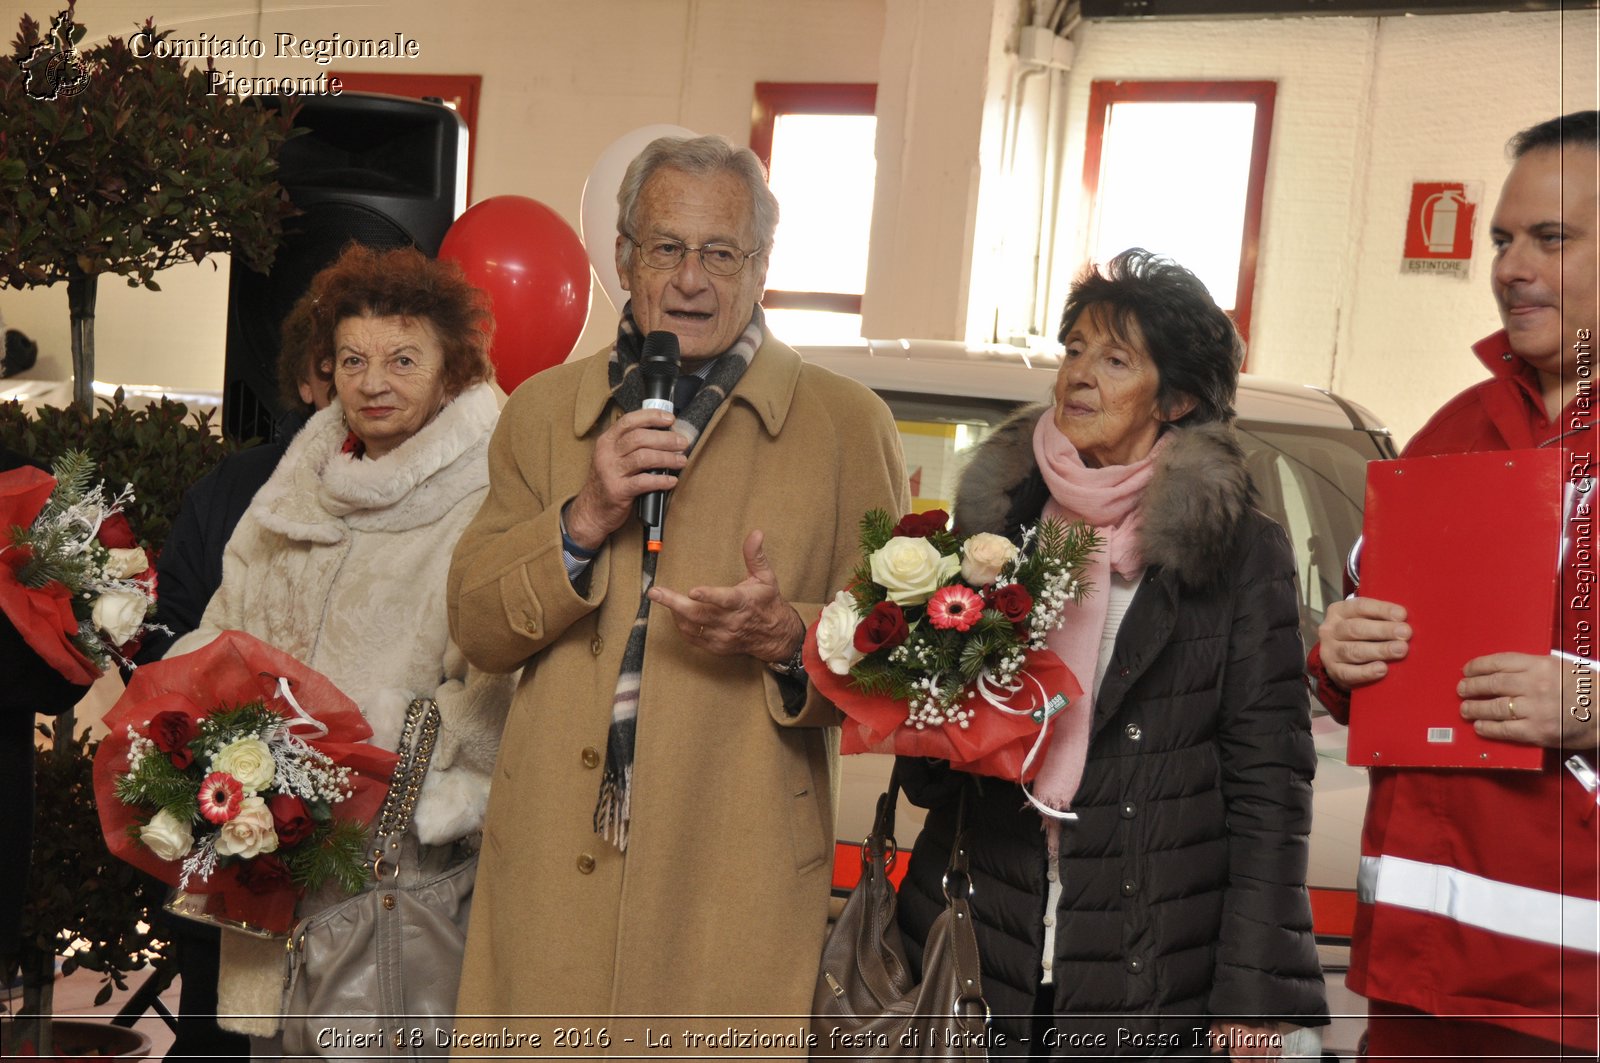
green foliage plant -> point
(160, 449)
(84, 905)
(141, 169)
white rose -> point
(911, 569)
(249, 760)
(119, 614)
(836, 634)
(126, 562)
(986, 554)
(167, 836)
(250, 833)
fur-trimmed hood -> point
(1193, 508)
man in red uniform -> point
(1478, 929)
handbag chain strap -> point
(415, 752)
(969, 981)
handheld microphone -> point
(659, 364)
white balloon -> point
(597, 212)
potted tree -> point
(124, 164)
(120, 164)
(84, 905)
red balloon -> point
(535, 270)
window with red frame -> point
(1180, 168)
(818, 143)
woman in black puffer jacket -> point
(1172, 912)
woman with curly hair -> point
(341, 558)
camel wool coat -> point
(719, 905)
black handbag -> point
(866, 1004)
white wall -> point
(561, 81)
(938, 110)
(1470, 85)
(1364, 107)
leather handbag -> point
(866, 1004)
(392, 952)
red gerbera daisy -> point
(220, 797)
(955, 607)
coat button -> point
(1129, 888)
(530, 627)
(1129, 810)
(596, 644)
(591, 757)
(1135, 966)
(1124, 672)
(1134, 733)
(586, 864)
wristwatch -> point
(794, 666)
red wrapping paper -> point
(233, 670)
(42, 615)
(993, 743)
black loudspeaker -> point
(381, 170)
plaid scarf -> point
(614, 808)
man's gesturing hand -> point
(751, 617)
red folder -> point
(1470, 544)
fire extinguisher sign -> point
(1439, 227)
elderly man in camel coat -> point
(659, 839)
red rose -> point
(265, 874)
(883, 628)
(1013, 602)
(116, 533)
(922, 525)
(172, 731)
(290, 819)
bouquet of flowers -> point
(238, 774)
(72, 579)
(938, 647)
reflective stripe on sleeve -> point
(1500, 907)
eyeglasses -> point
(722, 260)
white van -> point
(1306, 449)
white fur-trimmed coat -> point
(341, 563)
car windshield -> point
(1311, 481)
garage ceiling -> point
(1209, 9)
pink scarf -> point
(1108, 499)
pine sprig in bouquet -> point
(72, 579)
(952, 631)
(257, 792)
(243, 777)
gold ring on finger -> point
(1511, 708)
(701, 633)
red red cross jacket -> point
(1480, 890)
